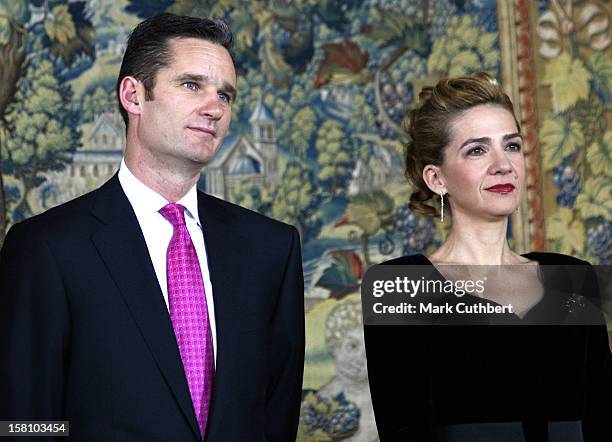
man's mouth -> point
(204, 130)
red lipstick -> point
(501, 188)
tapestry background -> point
(316, 138)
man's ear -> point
(130, 91)
(432, 175)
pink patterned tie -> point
(189, 312)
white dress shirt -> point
(158, 231)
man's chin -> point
(204, 156)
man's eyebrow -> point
(226, 86)
(190, 77)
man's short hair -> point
(148, 48)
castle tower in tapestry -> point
(252, 157)
(264, 137)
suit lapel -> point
(228, 262)
(123, 249)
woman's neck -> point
(473, 241)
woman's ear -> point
(432, 175)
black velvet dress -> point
(496, 382)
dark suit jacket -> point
(85, 334)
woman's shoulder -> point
(546, 258)
(417, 259)
(549, 258)
(575, 286)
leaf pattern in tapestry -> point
(596, 198)
(559, 140)
(59, 25)
(598, 156)
(600, 66)
(464, 49)
(567, 233)
(568, 80)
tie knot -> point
(174, 213)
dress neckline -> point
(534, 310)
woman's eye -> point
(513, 147)
(476, 151)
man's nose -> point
(211, 106)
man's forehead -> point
(184, 45)
(197, 55)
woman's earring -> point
(441, 206)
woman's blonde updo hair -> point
(428, 126)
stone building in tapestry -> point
(102, 150)
(251, 157)
(92, 164)
(382, 167)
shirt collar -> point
(144, 200)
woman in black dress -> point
(534, 378)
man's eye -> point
(191, 85)
(224, 97)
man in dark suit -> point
(147, 310)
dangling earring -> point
(441, 206)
